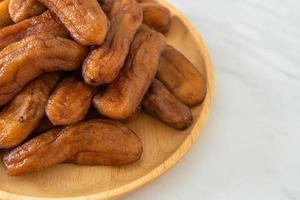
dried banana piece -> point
(125, 94)
(156, 16)
(5, 19)
(44, 23)
(161, 103)
(26, 110)
(70, 101)
(95, 142)
(84, 19)
(181, 77)
(23, 61)
(104, 63)
(23, 9)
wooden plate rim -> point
(175, 157)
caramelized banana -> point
(45, 23)
(84, 19)
(5, 19)
(125, 94)
(161, 103)
(23, 61)
(95, 142)
(104, 63)
(70, 101)
(156, 16)
(23, 9)
(26, 110)
(181, 77)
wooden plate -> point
(163, 146)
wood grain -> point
(163, 146)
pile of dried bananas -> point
(61, 60)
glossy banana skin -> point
(161, 103)
(94, 142)
(25, 60)
(24, 113)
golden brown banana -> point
(125, 94)
(24, 113)
(104, 63)
(161, 103)
(44, 23)
(84, 19)
(181, 77)
(23, 61)
(156, 16)
(70, 101)
(95, 142)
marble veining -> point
(250, 147)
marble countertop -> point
(250, 147)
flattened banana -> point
(161, 103)
(84, 19)
(23, 61)
(181, 77)
(156, 16)
(44, 23)
(125, 94)
(104, 63)
(95, 142)
(70, 101)
(24, 113)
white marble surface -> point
(250, 148)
